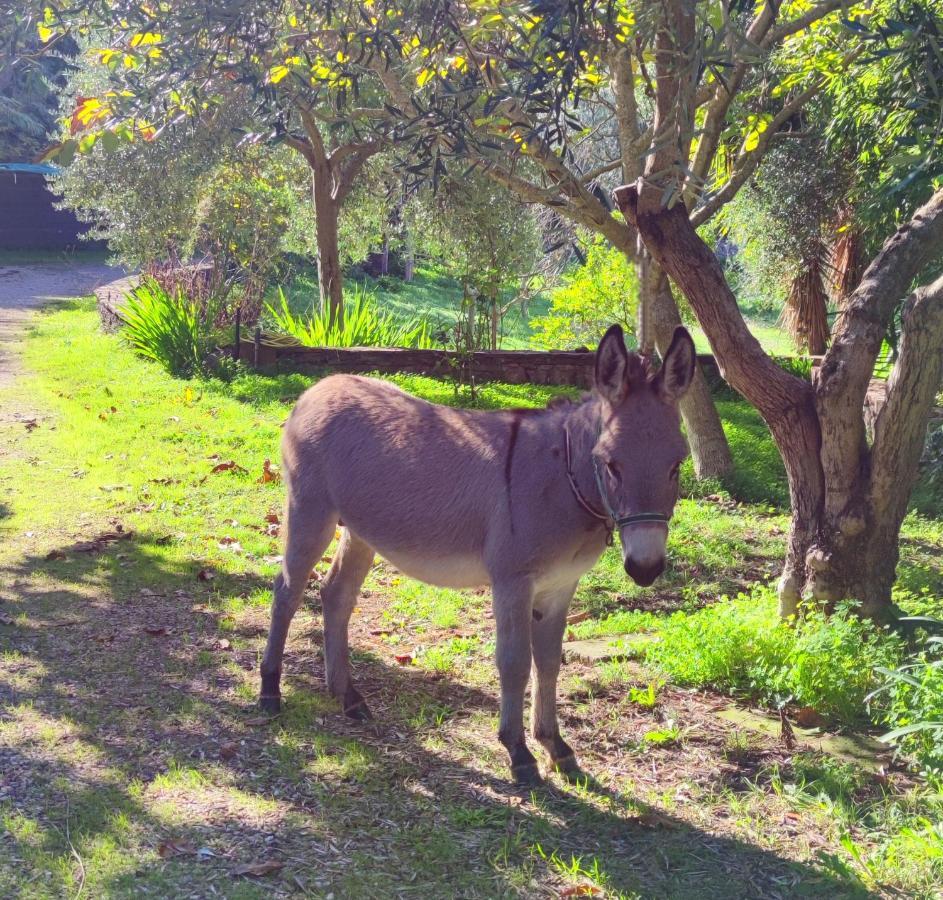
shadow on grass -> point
(145, 733)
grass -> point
(133, 761)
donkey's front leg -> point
(513, 602)
(549, 623)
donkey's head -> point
(640, 447)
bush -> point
(363, 325)
(914, 705)
(164, 327)
(742, 646)
(589, 299)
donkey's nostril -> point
(644, 574)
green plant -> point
(668, 734)
(164, 327)
(589, 299)
(914, 705)
(742, 646)
(645, 697)
(362, 325)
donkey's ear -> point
(677, 370)
(612, 364)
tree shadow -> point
(138, 716)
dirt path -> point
(25, 288)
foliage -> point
(741, 645)
(590, 298)
(912, 701)
(164, 327)
(363, 325)
(32, 72)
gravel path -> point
(25, 288)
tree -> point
(300, 68)
(848, 498)
(487, 240)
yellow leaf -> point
(44, 32)
(424, 76)
(460, 63)
(145, 37)
(277, 73)
(341, 56)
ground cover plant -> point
(139, 539)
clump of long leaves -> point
(164, 327)
(913, 693)
(363, 324)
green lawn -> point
(134, 586)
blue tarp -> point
(35, 168)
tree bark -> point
(326, 212)
(709, 449)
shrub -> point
(363, 325)
(742, 646)
(913, 693)
(164, 327)
(589, 299)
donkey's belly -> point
(441, 571)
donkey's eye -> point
(612, 468)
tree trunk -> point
(709, 449)
(326, 212)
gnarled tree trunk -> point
(326, 212)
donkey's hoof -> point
(568, 767)
(358, 711)
(527, 774)
(272, 705)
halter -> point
(610, 518)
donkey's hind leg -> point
(338, 596)
(308, 532)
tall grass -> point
(362, 325)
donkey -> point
(525, 501)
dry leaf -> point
(6, 620)
(223, 644)
(55, 554)
(259, 720)
(577, 617)
(228, 749)
(205, 575)
(272, 518)
(655, 819)
(161, 630)
(269, 473)
(229, 466)
(404, 659)
(580, 890)
(807, 717)
(257, 870)
(31, 424)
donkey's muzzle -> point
(644, 574)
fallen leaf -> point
(580, 890)
(272, 518)
(403, 659)
(259, 720)
(31, 424)
(6, 620)
(56, 554)
(223, 644)
(577, 617)
(381, 632)
(655, 819)
(161, 630)
(204, 575)
(175, 848)
(257, 870)
(229, 466)
(269, 473)
(807, 717)
(228, 749)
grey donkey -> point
(525, 501)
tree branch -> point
(599, 171)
